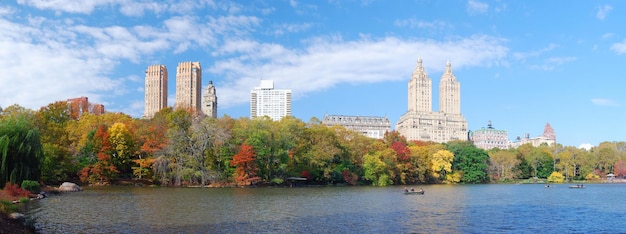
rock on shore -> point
(69, 187)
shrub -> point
(7, 207)
(32, 186)
(15, 190)
(556, 177)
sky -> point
(521, 64)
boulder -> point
(17, 216)
(69, 187)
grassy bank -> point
(7, 224)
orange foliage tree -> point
(245, 166)
(103, 170)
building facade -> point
(489, 138)
(81, 105)
(420, 122)
(155, 90)
(267, 101)
(189, 86)
(548, 138)
(373, 127)
(209, 101)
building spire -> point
(419, 72)
(448, 68)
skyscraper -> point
(420, 122)
(267, 101)
(155, 90)
(449, 92)
(209, 101)
(420, 90)
(189, 85)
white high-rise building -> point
(209, 101)
(420, 122)
(267, 101)
(155, 90)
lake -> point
(493, 208)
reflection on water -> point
(443, 209)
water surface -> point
(443, 209)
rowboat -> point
(414, 192)
(578, 186)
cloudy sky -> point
(521, 64)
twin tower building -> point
(188, 90)
(420, 122)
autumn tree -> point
(245, 167)
(375, 169)
(178, 133)
(52, 121)
(442, 164)
(123, 148)
(619, 169)
(503, 163)
(100, 170)
(353, 145)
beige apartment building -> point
(189, 86)
(489, 138)
(155, 90)
(420, 122)
(209, 101)
(370, 126)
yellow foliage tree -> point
(592, 176)
(124, 146)
(556, 177)
(441, 163)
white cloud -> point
(326, 62)
(604, 102)
(619, 48)
(54, 59)
(415, 23)
(531, 54)
(475, 7)
(585, 146)
(43, 60)
(6, 11)
(552, 62)
(603, 11)
(70, 6)
(126, 7)
(292, 28)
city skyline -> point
(521, 64)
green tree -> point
(471, 162)
(20, 150)
(57, 162)
(376, 170)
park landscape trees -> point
(182, 148)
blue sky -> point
(521, 64)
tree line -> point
(183, 148)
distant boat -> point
(578, 186)
(550, 186)
(414, 192)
